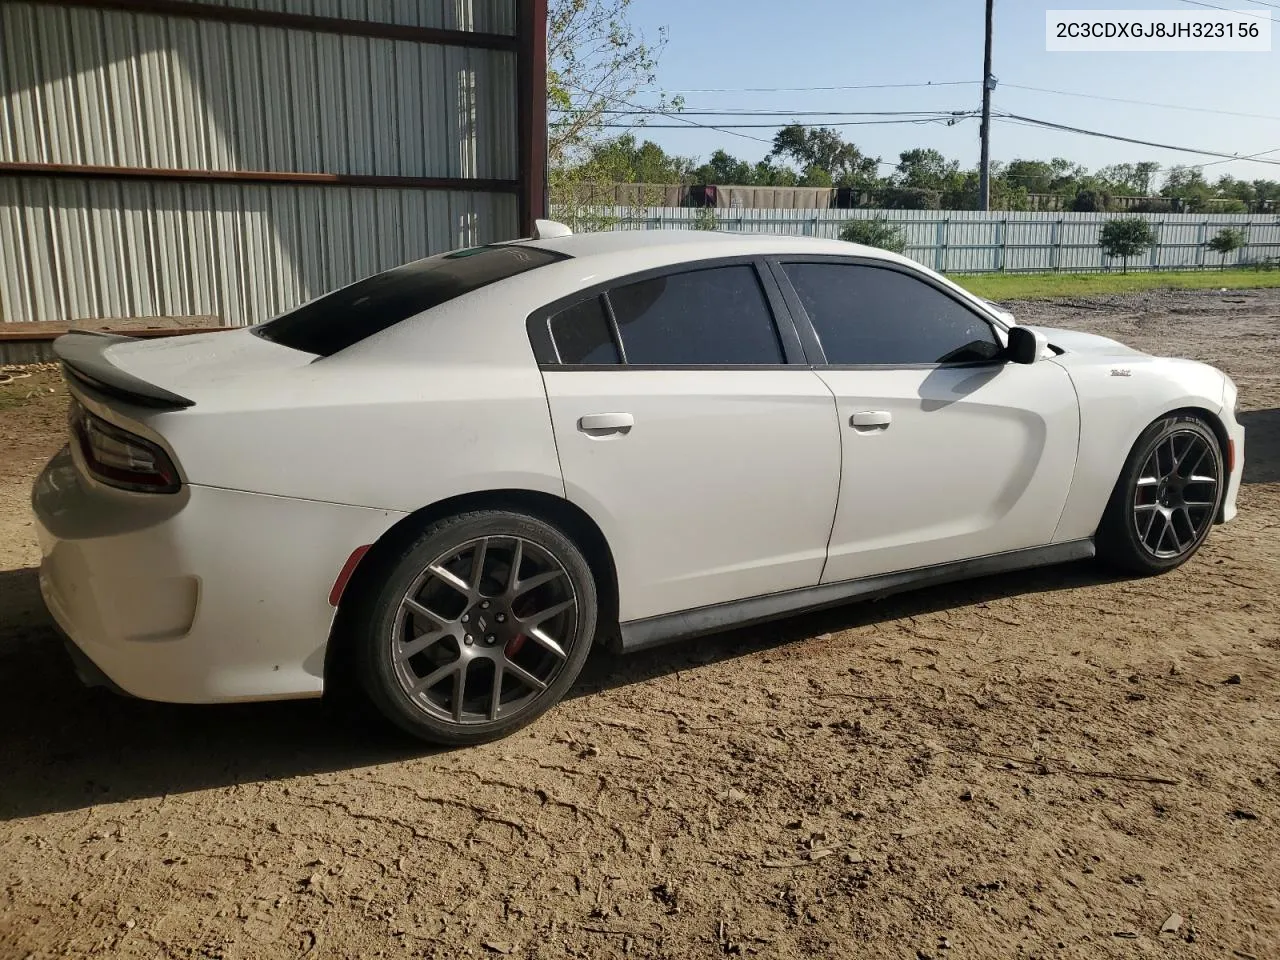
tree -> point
(1129, 179)
(910, 198)
(1227, 240)
(622, 160)
(596, 61)
(1188, 186)
(874, 233)
(1126, 237)
(706, 219)
(725, 169)
(922, 169)
(775, 175)
(821, 150)
(1091, 201)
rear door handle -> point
(867, 421)
(596, 424)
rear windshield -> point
(337, 320)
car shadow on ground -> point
(1261, 445)
(65, 747)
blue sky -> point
(810, 43)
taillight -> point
(120, 458)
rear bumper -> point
(202, 596)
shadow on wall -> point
(193, 94)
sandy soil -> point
(1051, 764)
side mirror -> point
(1025, 345)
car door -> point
(949, 451)
(710, 461)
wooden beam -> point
(85, 171)
(531, 70)
(301, 21)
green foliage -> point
(1188, 186)
(1227, 240)
(909, 198)
(1019, 286)
(874, 233)
(825, 157)
(622, 160)
(1125, 237)
(706, 219)
(926, 170)
(596, 61)
(724, 169)
(1091, 201)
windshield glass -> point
(337, 320)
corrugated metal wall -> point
(245, 252)
(969, 241)
(118, 89)
(487, 16)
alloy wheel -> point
(1176, 494)
(484, 629)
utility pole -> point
(988, 83)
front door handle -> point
(600, 424)
(868, 421)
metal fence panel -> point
(969, 241)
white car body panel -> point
(732, 475)
(1120, 395)
(725, 489)
(975, 460)
(207, 595)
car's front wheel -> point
(477, 628)
(1166, 498)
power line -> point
(1142, 103)
(853, 86)
(672, 115)
(1032, 121)
(794, 113)
(1243, 13)
(728, 127)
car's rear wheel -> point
(1166, 498)
(477, 628)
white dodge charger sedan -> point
(447, 481)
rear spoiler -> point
(84, 359)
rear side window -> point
(582, 335)
(714, 316)
(339, 319)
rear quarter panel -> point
(1119, 397)
(443, 404)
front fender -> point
(1119, 397)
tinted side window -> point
(714, 316)
(874, 315)
(581, 334)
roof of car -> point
(694, 244)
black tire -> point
(384, 625)
(1157, 518)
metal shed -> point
(236, 158)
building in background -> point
(239, 157)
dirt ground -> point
(1051, 764)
